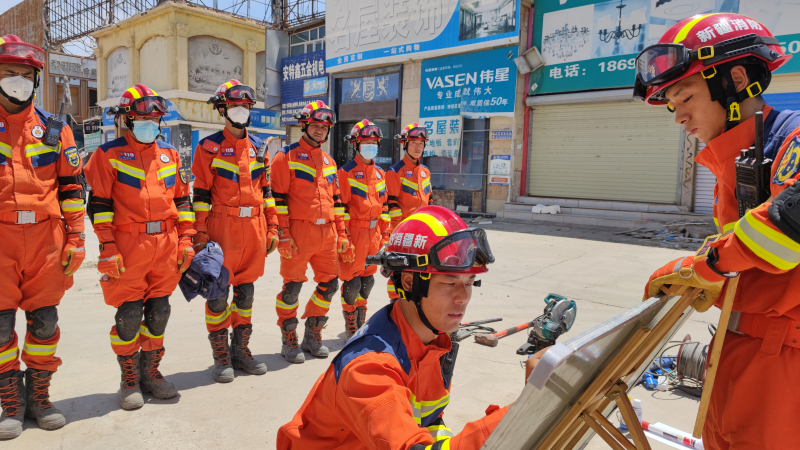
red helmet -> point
(436, 240)
(141, 101)
(233, 91)
(316, 112)
(364, 130)
(413, 132)
(14, 51)
(698, 45)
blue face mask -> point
(369, 151)
(145, 131)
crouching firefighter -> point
(142, 215)
(311, 221)
(713, 84)
(39, 184)
(362, 187)
(389, 383)
(234, 207)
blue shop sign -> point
(302, 83)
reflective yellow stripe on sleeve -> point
(201, 206)
(72, 205)
(185, 216)
(103, 217)
(767, 243)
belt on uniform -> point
(156, 227)
(314, 222)
(358, 223)
(776, 331)
(238, 211)
(24, 217)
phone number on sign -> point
(574, 70)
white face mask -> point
(369, 151)
(20, 88)
(238, 115)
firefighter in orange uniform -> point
(362, 186)
(408, 181)
(142, 215)
(387, 388)
(234, 207)
(311, 221)
(39, 184)
(713, 84)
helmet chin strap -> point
(726, 94)
(419, 289)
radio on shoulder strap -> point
(753, 172)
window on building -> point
(307, 41)
(465, 170)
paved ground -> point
(604, 273)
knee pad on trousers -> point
(243, 295)
(129, 319)
(350, 290)
(7, 319)
(219, 304)
(156, 314)
(43, 322)
(366, 285)
(330, 289)
(291, 291)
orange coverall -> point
(44, 181)
(144, 183)
(409, 190)
(306, 195)
(367, 399)
(755, 403)
(363, 192)
(233, 205)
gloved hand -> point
(349, 255)
(73, 253)
(200, 241)
(689, 271)
(272, 239)
(286, 245)
(384, 241)
(185, 253)
(110, 262)
(342, 242)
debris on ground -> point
(673, 234)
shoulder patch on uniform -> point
(185, 173)
(349, 166)
(789, 163)
(2, 127)
(73, 159)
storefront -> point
(72, 80)
(588, 138)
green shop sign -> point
(589, 44)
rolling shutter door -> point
(703, 188)
(604, 151)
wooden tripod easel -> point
(611, 385)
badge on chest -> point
(227, 151)
(359, 175)
(128, 156)
(303, 156)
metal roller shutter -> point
(704, 182)
(604, 151)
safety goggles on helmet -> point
(368, 132)
(321, 115)
(460, 251)
(237, 93)
(417, 133)
(143, 106)
(23, 51)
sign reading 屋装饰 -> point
(368, 32)
(303, 80)
(591, 44)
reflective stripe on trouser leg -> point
(123, 348)
(9, 355)
(239, 316)
(217, 321)
(316, 306)
(285, 311)
(41, 353)
(360, 301)
(390, 290)
(148, 341)
(348, 308)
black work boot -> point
(223, 371)
(130, 394)
(12, 399)
(312, 338)
(289, 349)
(350, 323)
(37, 388)
(362, 316)
(240, 353)
(152, 380)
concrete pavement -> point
(605, 278)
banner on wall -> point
(590, 44)
(303, 80)
(368, 32)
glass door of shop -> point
(344, 152)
